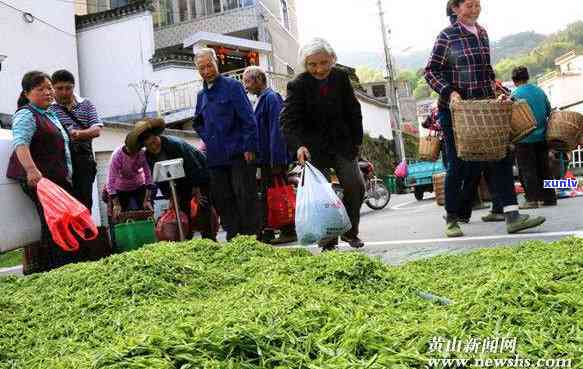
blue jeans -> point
(461, 175)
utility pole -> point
(392, 88)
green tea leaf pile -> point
(245, 305)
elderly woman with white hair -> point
(322, 122)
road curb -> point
(17, 270)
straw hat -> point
(155, 126)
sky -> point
(354, 25)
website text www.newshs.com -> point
(515, 362)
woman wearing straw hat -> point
(459, 68)
(129, 182)
(195, 183)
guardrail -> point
(183, 96)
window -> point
(164, 16)
(183, 10)
(232, 4)
(212, 7)
(284, 14)
(248, 2)
(193, 9)
(118, 3)
(379, 91)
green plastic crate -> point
(391, 183)
(132, 235)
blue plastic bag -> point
(320, 214)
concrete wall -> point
(36, 45)
(376, 120)
(112, 56)
(564, 90)
(228, 22)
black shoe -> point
(329, 244)
(354, 242)
(464, 220)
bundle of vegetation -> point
(247, 305)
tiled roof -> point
(94, 19)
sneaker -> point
(493, 217)
(523, 222)
(453, 230)
(528, 205)
(464, 220)
(354, 242)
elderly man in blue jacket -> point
(273, 155)
(224, 120)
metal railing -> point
(183, 96)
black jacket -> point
(194, 162)
(330, 124)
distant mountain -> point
(507, 47)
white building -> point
(34, 35)
(564, 87)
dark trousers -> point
(234, 194)
(533, 164)
(460, 172)
(47, 255)
(352, 183)
(84, 172)
(131, 200)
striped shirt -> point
(24, 127)
(84, 111)
(460, 61)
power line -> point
(38, 19)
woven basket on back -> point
(564, 130)
(523, 121)
(482, 129)
(439, 188)
(429, 148)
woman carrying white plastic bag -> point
(320, 214)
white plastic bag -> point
(320, 214)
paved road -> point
(409, 230)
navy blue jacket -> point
(225, 121)
(272, 145)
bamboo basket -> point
(439, 188)
(482, 129)
(523, 121)
(564, 130)
(429, 148)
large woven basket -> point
(523, 121)
(429, 148)
(564, 130)
(482, 129)
(439, 188)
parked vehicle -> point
(377, 195)
(420, 176)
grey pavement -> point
(410, 230)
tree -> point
(144, 90)
(367, 74)
(410, 76)
(422, 91)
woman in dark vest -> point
(460, 69)
(41, 150)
